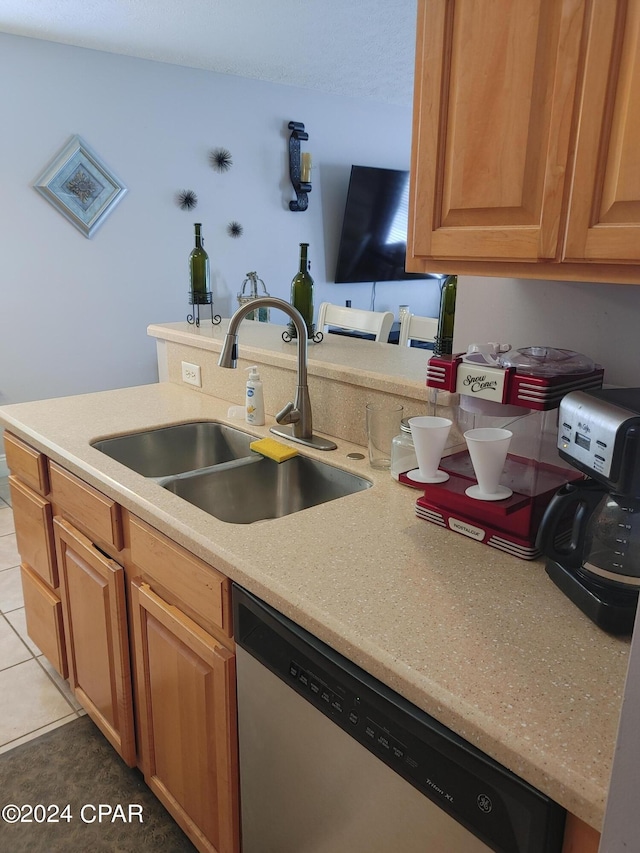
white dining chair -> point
(416, 328)
(376, 323)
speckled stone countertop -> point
(479, 639)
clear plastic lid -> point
(547, 361)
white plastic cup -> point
(488, 447)
(430, 435)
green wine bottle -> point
(199, 272)
(302, 293)
(444, 336)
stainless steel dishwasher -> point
(332, 761)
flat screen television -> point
(373, 243)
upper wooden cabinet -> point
(526, 128)
(604, 211)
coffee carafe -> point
(599, 567)
(598, 563)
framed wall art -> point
(79, 185)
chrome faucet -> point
(297, 414)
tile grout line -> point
(23, 739)
(36, 659)
(52, 680)
(17, 635)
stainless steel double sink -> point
(212, 466)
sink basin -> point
(260, 488)
(178, 448)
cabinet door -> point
(95, 624)
(188, 728)
(493, 106)
(604, 216)
(33, 521)
(43, 615)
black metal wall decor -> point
(220, 159)
(186, 199)
(296, 172)
(235, 229)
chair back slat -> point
(416, 328)
(376, 323)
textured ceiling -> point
(359, 48)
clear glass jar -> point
(403, 453)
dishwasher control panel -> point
(335, 700)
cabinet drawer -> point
(96, 513)
(43, 613)
(28, 464)
(201, 590)
(34, 530)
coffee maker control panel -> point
(599, 433)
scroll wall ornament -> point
(299, 166)
(80, 186)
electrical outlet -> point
(191, 374)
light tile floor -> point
(33, 697)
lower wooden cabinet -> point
(95, 625)
(28, 464)
(43, 615)
(579, 837)
(188, 726)
(33, 518)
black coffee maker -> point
(590, 531)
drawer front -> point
(201, 590)
(26, 463)
(43, 613)
(34, 530)
(100, 516)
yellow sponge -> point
(273, 449)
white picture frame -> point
(80, 186)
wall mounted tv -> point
(373, 244)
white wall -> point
(74, 311)
(599, 320)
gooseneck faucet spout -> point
(297, 414)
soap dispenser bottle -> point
(255, 399)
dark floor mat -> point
(74, 765)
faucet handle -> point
(288, 415)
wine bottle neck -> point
(304, 263)
(444, 336)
